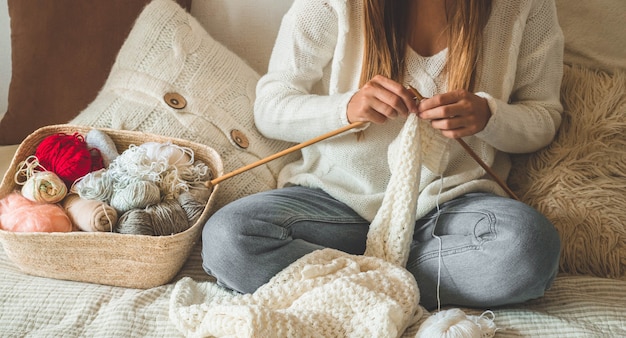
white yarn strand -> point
(453, 323)
(392, 229)
(440, 246)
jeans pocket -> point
(452, 232)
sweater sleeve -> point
(529, 119)
(291, 101)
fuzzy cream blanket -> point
(579, 180)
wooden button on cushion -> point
(240, 138)
(175, 100)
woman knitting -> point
(490, 72)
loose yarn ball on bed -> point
(68, 156)
(454, 323)
(20, 214)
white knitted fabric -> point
(328, 293)
(168, 51)
(390, 233)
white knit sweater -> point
(314, 71)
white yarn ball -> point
(100, 140)
(454, 323)
(168, 153)
(97, 185)
(44, 186)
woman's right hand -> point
(380, 99)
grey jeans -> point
(478, 250)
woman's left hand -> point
(456, 114)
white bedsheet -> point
(576, 306)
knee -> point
(216, 232)
(222, 238)
(530, 260)
(238, 233)
(535, 239)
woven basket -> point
(134, 261)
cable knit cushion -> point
(62, 52)
(172, 78)
(579, 181)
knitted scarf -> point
(327, 293)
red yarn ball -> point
(67, 156)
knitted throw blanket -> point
(327, 293)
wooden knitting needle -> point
(290, 150)
(471, 152)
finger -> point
(439, 100)
(442, 112)
(395, 95)
(363, 106)
(442, 106)
(382, 107)
(370, 112)
(369, 107)
(448, 124)
(458, 126)
(451, 128)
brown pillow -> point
(62, 52)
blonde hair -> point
(386, 35)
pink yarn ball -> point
(19, 214)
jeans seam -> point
(295, 219)
(290, 221)
(435, 254)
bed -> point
(578, 181)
